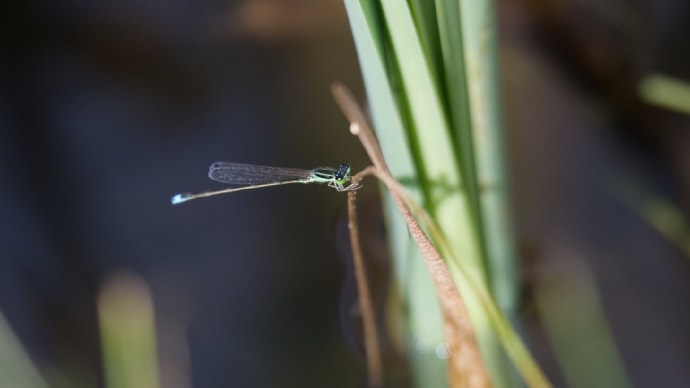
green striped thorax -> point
(335, 178)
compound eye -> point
(343, 171)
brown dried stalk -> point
(465, 364)
(371, 343)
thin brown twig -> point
(371, 343)
(466, 366)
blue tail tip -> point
(178, 198)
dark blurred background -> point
(109, 108)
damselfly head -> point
(343, 173)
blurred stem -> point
(16, 368)
(569, 305)
(660, 213)
(666, 92)
(125, 311)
